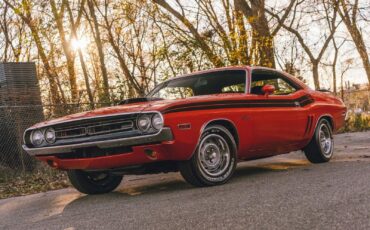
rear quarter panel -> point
(328, 105)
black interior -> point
(257, 90)
(208, 83)
(265, 75)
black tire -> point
(321, 147)
(196, 173)
(93, 182)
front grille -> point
(94, 127)
(70, 133)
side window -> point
(282, 85)
(238, 88)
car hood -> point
(157, 105)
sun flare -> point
(80, 43)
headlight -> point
(143, 123)
(157, 121)
(50, 135)
(37, 138)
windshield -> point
(228, 81)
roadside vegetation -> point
(42, 179)
(357, 123)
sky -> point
(313, 31)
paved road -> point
(276, 193)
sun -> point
(80, 43)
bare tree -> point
(115, 43)
(263, 35)
(132, 45)
(349, 13)
(24, 12)
(13, 29)
(330, 16)
(91, 5)
(74, 27)
(215, 59)
(69, 54)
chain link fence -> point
(14, 120)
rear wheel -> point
(320, 149)
(214, 160)
(94, 182)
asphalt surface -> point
(283, 192)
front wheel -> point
(320, 149)
(93, 182)
(214, 160)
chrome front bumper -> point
(164, 135)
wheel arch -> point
(228, 124)
(327, 117)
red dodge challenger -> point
(200, 124)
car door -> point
(278, 121)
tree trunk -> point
(361, 48)
(135, 85)
(351, 23)
(49, 72)
(334, 70)
(315, 74)
(265, 48)
(82, 60)
(212, 57)
(243, 40)
(334, 79)
(263, 40)
(55, 97)
(67, 50)
(100, 52)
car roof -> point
(238, 67)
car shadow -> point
(172, 183)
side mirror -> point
(268, 89)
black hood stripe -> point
(299, 102)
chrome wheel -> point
(214, 161)
(213, 155)
(326, 140)
(321, 147)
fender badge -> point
(184, 126)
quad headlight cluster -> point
(147, 122)
(39, 136)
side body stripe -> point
(299, 102)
